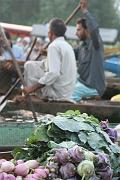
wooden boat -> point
(113, 83)
(6, 155)
(14, 132)
(102, 109)
(113, 87)
(113, 65)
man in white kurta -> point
(55, 76)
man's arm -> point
(8, 65)
(93, 29)
(32, 89)
(91, 24)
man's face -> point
(50, 35)
(80, 32)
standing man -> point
(55, 77)
(89, 56)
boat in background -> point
(113, 65)
(18, 30)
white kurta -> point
(57, 72)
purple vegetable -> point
(67, 171)
(7, 166)
(52, 167)
(93, 178)
(35, 176)
(105, 174)
(9, 177)
(73, 178)
(41, 173)
(62, 156)
(21, 170)
(102, 160)
(103, 169)
(52, 176)
(20, 161)
(30, 177)
(1, 176)
(76, 154)
(32, 164)
(2, 160)
(112, 133)
(46, 170)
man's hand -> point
(84, 5)
(32, 89)
(8, 65)
(28, 90)
(43, 52)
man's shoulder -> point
(56, 43)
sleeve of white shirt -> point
(54, 64)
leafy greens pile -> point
(71, 127)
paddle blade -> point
(3, 104)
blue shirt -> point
(17, 51)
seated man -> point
(89, 56)
(17, 50)
(7, 69)
(55, 77)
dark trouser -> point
(7, 78)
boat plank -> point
(101, 109)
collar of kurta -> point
(60, 38)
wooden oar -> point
(2, 103)
(4, 97)
(72, 14)
(45, 47)
(33, 44)
(2, 34)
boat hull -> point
(102, 109)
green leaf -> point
(106, 137)
(91, 118)
(72, 125)
(94, 139)
(50, 131)
(79, 118)
(19, 153)
(82, 136)
(70, 113)
(77, 113)
(94, 119)
(115, 149)
(41, 133)
(98, 129)
(67, 124)
(31, 140)
(72, 137)
(64, 144)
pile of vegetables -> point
(67, 130)
(19, 170)
(74, 163)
